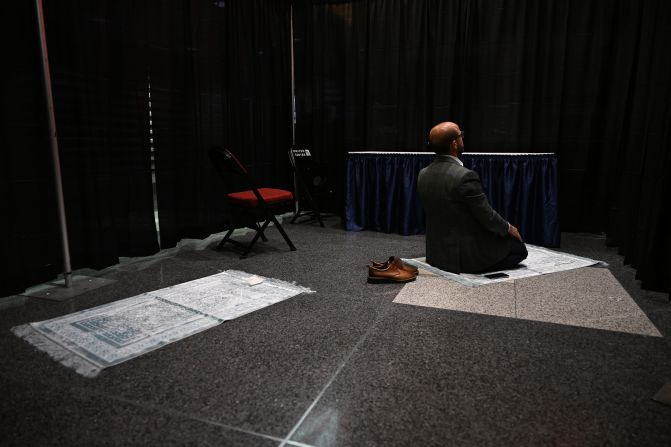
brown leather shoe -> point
(395, 260)
(392, 273)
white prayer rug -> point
(539, 262)
(93, 339)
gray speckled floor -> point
(346, 365)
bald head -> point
(444, 139)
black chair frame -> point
(225, 162)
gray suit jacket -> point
(463, 232)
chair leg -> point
(259, 233)
(223, 241)
(281, 230)
(257, 227)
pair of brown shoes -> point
(393, 270)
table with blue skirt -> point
(381, 191)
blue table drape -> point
(381, 192)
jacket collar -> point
(449, 158)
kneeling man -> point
(463, 232)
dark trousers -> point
(518, 253)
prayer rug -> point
(93, 339)
(539, 262)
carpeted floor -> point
(349, 366)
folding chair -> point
(251, 205)
(311, 185)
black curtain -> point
(30, 250)
(639, 186)
(101, 105)
(218, 73)
(587, 79)
(181, 175)
(220, 76)
(100, 100)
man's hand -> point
(512, 230)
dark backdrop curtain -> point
(100, 98)
(100, 101)
(639, 186)
(181, 174)
(220, 76)
(219, 73)
(586, 79)
(257, 115)
(30, 250)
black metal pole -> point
(67, 270)
(293, 108)
(293, 83)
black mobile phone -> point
(496, 275)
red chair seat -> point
(248, 198)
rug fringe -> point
(55, 351)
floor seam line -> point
(335, 374)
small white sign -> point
(254, 280)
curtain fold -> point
(640, 189)
(100, 101)
(180, 162)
